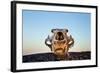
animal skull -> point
(60, 43)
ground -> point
(44, 57)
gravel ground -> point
(44, 57)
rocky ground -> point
(44, 57)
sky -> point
(37, 26)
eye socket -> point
(66, 30)
(53, 30)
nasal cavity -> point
(59, 36)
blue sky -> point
(37, 26)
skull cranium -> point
(60, 43)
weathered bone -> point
(48, 40)
(69, 42)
